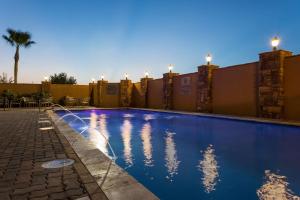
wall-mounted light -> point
(126, 76)
(275, 42)
(46, 78)
(146, 74)
(170, 67)
(102, 77)
(208, 59)
(93, 80)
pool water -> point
(180, 156)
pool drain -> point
(44, 121)
(47, 128)
(59, 163)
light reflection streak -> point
(209, 167)
(147, 146)
(95, 136)
(148, 117)
(172, 162)
(275, 188)
(126, 137)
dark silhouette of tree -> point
(18, 39)
(62, 78)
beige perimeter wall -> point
(292, 87)
(185, 92)
(21, 88)
(137, 98)
(234, 90)
(155, 94)
(58, 91)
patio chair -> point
(70, 101)
(4, 103)
(84, 101)
(46, 102)
(29, 102)
(15, 103)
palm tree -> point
(18, 39)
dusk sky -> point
(87, 38)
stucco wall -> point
(110, 99)
(234, 90)
(185, 92)
(155, 93)
(292, 87)
(21, 88)
(58, 91)
(137, 98)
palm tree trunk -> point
(16, 65)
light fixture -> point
(93, 80)
(146, 74)
(126, 76)
(102, 77)
(208, 59)
(170, 67)
(46, 78)
(275, 42)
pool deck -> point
(23, 149)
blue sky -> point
(87, 38)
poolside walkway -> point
(23, 149)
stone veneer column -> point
(125, 93)
(204, 88)
(46, 87)
(270, 84)
(144, 91)
(168, 90)
(101, 86)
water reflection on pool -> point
(189, 157)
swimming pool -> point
(180, 156)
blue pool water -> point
(191, 157)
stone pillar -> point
(46, 87)
(100, 91)
(168, 90)
(144, 91)
(270, 84)
(125, 93)
(204, 88)
(93, 93)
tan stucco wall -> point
(21, 88)
(185, 95)
(155, 93)
(110, 101)
(234, 90)
(292, 87)
(137, 98)
(58, 91)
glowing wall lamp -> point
(275, 43)
(146, 74)
(46, 78)
(93, 80)
(208, 59)
(170, 67)
(126, 76)
(102, 77)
